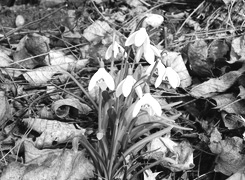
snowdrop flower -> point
(137, 38)
(165, 74)
(149, 175)
(161, 72)
(154, 20)
(148, 103)
(172, 77)
(116, 49)
(103, 79)
(141, 40)
(126, 85)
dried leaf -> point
(51, 164)
(214, 85)
(229, 103)
(237, 50)
(62, 107)
(197, 56)
(52, 131)
(218, 49)
(42, 75)
(97, 31)
(229, 160)
(5, 112)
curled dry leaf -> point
(33, 48)
(62, 107)
(52, 131)
(175, 61)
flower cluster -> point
(124, 99)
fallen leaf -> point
(237, 50)
(197, 56)
(229, 159)
(63, 107)
(42, 75)
(52, 131)
(215, 85)
(229, 103)
(97, 31)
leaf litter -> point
(190, 121)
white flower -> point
(117, 49)
(161, 72)
(148, 103)
(149, 52)
(103, 79)
(172, 77)
(154, 20)
(137, 38)
(149, 175)
(126, 85)
(165, 74)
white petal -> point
(156, 51)
(140, 37)
(97, 76)
(119, 88)
(139, 53)
(108, 79)
(173, 77)
(161, 72)
(131, 39)
(149, 54)
(137, 108)
(139, 91)
(108, 53)
(128, 84)
(153, 103)
(116, 49)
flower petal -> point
(173, 77)
(161, 72)
(128, 84)
(139, 91)
(108, 79)
(97, 76)
(108, 53)
(137, 108)
(139, 53)
(119, 88)
(149, 54)
(131, 39)
(140, 37)
(116, 49)
(156, 51)
(154, 104)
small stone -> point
(19, 21)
